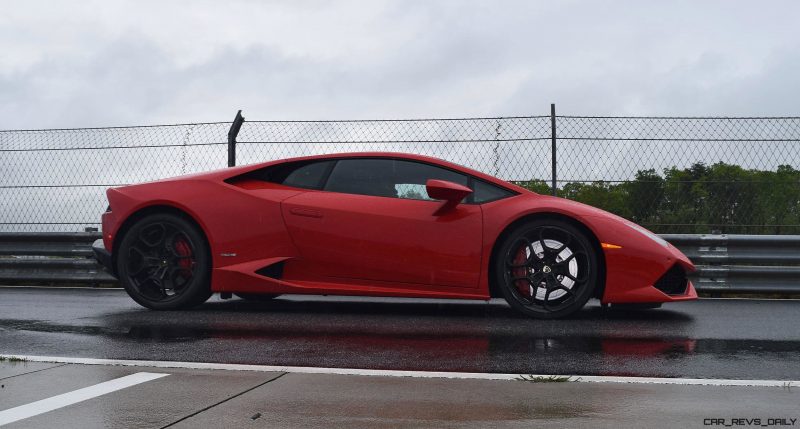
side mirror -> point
(451, 193)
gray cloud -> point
(121, 63)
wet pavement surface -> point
(739, 339)
(184, 398)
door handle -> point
(305, 212)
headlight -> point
(649, 234)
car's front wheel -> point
(164, 263)
(546, 268)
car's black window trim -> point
(470, 179)
(509, 192)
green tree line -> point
(698, 199)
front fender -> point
(635, 262)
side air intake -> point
(673, 282)
(274, 271)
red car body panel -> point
(347, 244)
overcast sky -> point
(104, 63)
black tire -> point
(542, 281)
(257, 297)
(164, 263)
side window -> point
(412, 177)
(402, 179)
(387, 178)
(363, 176)
(411, 191)
(299, 174)
(483, 192)
(308, 176)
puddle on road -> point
(435, 337)
(462, 344)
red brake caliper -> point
(522, 285)
(182, 249)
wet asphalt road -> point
(740, 339)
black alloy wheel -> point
(546, 269)
(164, 263)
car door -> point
(374, 221)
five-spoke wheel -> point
(546, 268)
(163, 263)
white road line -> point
(59, 401)
(417, 374)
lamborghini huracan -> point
(378, 224)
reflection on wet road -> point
(704, 339)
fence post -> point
(553, 142)
(232, 133)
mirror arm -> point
(447, 205)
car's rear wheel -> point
(257, 297)
(164, 263)
(546, 268)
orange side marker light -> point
(610, 246)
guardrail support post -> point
(232, 133)
(553, 143)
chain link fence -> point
(692, 175)
(685, 175)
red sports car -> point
(378, 224)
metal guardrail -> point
(51, 257)
(725, 263)
(742, 263)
